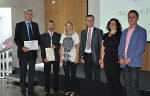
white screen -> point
(119, 9)
(5, 24)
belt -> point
(89, 54)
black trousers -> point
(24, 60)
(47, 69)
(92, 76)
(70, 76)
(131, 77)
(112, 71)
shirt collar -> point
(91, 29)
(27, 21)
(49, 32)
(132, 28)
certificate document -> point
(32, 45)
(50, 56)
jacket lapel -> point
(93, 34)
(33, 27)
(85, 37)
(25, 29)
(133, 36)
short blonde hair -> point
(73, 28)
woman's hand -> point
(102, 64)
(45, 60)
(76, 60)
(61, 60)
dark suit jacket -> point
(97, 36)
(46, 43)
(21, 35)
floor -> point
(10, 89)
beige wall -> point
(17, 15)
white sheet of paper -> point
(50, 56)
(32, 45)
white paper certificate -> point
(32, 45)
(50, 56)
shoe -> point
(32, 94)
(56, 93)
(68, 94)
(47, 94)
(72, 94)
(23, 94)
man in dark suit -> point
(26, 30)
(51, 39)
(90, 50)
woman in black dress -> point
(109, 56)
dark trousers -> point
(47, 69)
(24, 60)
(112, 71)
(70, 76)
(92, 76)
(131, 77)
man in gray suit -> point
(90, 50)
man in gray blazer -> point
(90, 50)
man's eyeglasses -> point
(132, 17)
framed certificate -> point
(32, 45)
(50, 55)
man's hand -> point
(25, 49)
(53, 46)
(45, 60)
(127, 61)
(99, 61)
(121, 60)
(82, 61)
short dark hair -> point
(119, 28)
(133, 11)
(89, 16)
(51, 21)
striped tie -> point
(89, 40)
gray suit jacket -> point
(97, 36)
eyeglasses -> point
(112, 24)
(132, 17)
(89, 20)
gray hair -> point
(27, 9)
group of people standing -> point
(109, 51)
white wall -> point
(94, 9)
(18, 7)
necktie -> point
(51, 34)
(89, 40)
(30, 32)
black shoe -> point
(47, 94)
(23, 94)
(32, 94)
(68, 94)
(56, 93)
